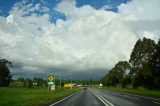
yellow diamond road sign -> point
(51, 78)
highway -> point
(97, 97)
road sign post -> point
(51, 82)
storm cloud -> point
(88, 41)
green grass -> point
(138, 91)
(10, 96)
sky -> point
(78, 38)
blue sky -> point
(77, 37)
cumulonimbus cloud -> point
(88, 39)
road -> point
(82, 98)
(97, 97)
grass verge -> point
(138, 91)
(10, 96)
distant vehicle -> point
(85, 87)
(100, 84)
(79, 85)
(68, 85)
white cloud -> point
(10, 19)
(142, 17)
(89, 39)
(140, 10)
(107, 7)
(67, 6)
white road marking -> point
(130, 94)
(106, 100)
(64, 99)
(135, 98)
(102, 99)
(156, 102)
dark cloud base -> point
(66, 74)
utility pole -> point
(60, 79)
(91, 79)
(71, 80)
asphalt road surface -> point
(97, 97)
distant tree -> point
(155, 67)
(39, 81)
(21, 79)
(122, 69)
(29, 83)
(5, 75)
(126, 81)
(140, 59)
(24, 84)
(143, 67)
(116, 75)
(105, 81)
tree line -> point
(142, 69)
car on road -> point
(85, 87)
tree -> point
(123, 69)
(126, 81)
(104, 81)
(143, 67)
(41, 82)
(116, 74)
(140, 59)
(5, 75)
(29, 83)
(22, 80)
(155, 66)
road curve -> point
(97, 97)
